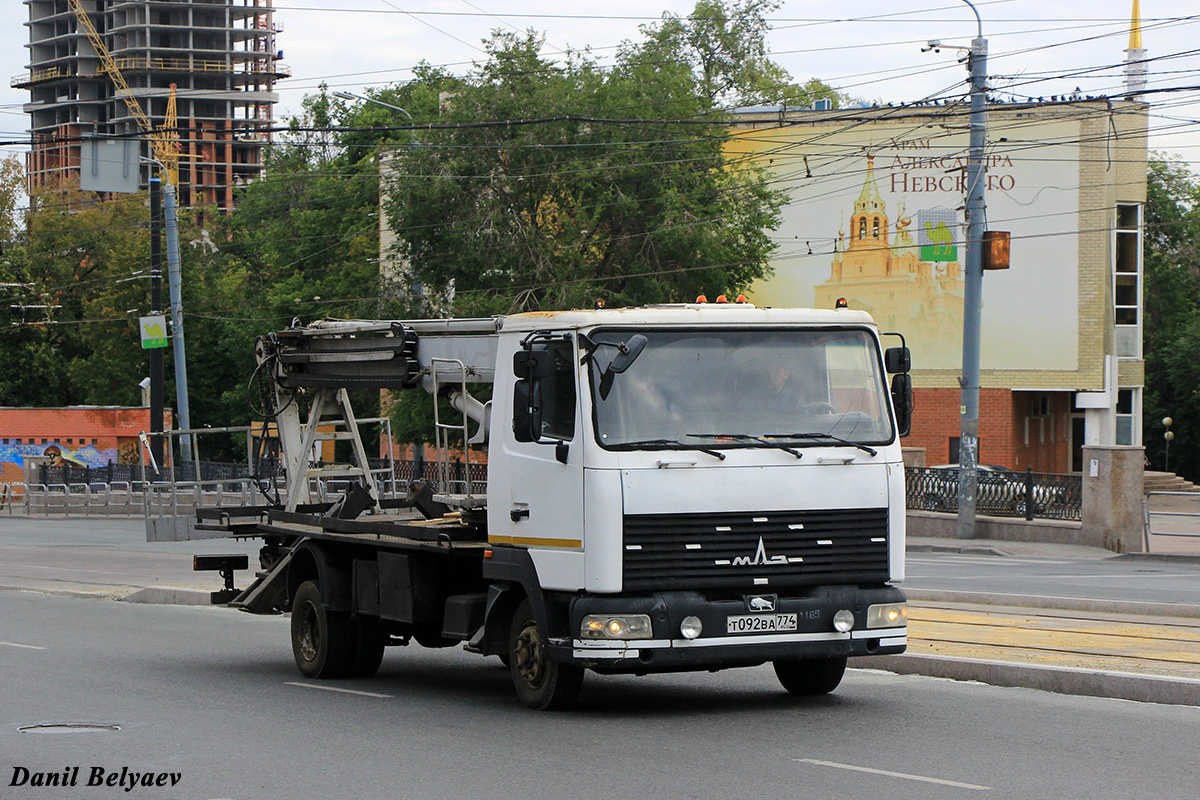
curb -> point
(963, 549)
(169, 595)
(1161, 558)
(1160, 689)
(1050, 603)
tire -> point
(541, 684)
(323, 642)
(812, 676)
(368, 652)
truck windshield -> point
(693, 389)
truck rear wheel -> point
(812, 676)
(368, 650)
(323, 642)
(541, 684)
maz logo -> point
(761, 557)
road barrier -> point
(1170, 514)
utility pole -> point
(156, 354)
(174, 284)
(968, 447)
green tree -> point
(12, 188)
(1171, 326)
(70, 326)
(514, 215)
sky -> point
(1037, 48)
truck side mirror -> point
(897, 359)
(902, 400)
(533, 364)
(628, 353)
(527, 410)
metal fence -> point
(1171, 514)
(121, 489)
(1000, 493)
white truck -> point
(669, 488)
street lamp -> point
(418, 289)
(365, 99)
(1168, 437)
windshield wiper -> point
(828, 436)
(649, 442)
(764, 441)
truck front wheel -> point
(541, 684)
(323, 641)
(810, 677)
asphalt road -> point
(1117, 578)
(107, 556)
(110, 557)
(211, 696)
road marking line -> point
(336, 689)
(888, 774)
(23, 646)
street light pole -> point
(968, 450)
(365, 99)
(156, 354)
(417, 289)
(1168, 437)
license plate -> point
(760, 623)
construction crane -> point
(164, 140)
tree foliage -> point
(74, 277)
(527, 183)
(1172, 314)
(556, 202)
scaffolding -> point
(221, 55)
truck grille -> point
(730, 551)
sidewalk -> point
(1148, 652)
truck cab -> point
(700, 486)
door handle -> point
(518, 513)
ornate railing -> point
(1001, 493)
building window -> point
(1127, 281)
(954, 447)
(875, 228)
(1128, 432)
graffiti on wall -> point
(58, 455)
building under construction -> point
(220, 56)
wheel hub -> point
(529, 660)
(309, 640)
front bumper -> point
(715, 648)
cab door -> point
(541, 482)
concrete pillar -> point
(1112, 497)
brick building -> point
(87, 436)
(221, 57)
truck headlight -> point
(887, 615)
(615, 626)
